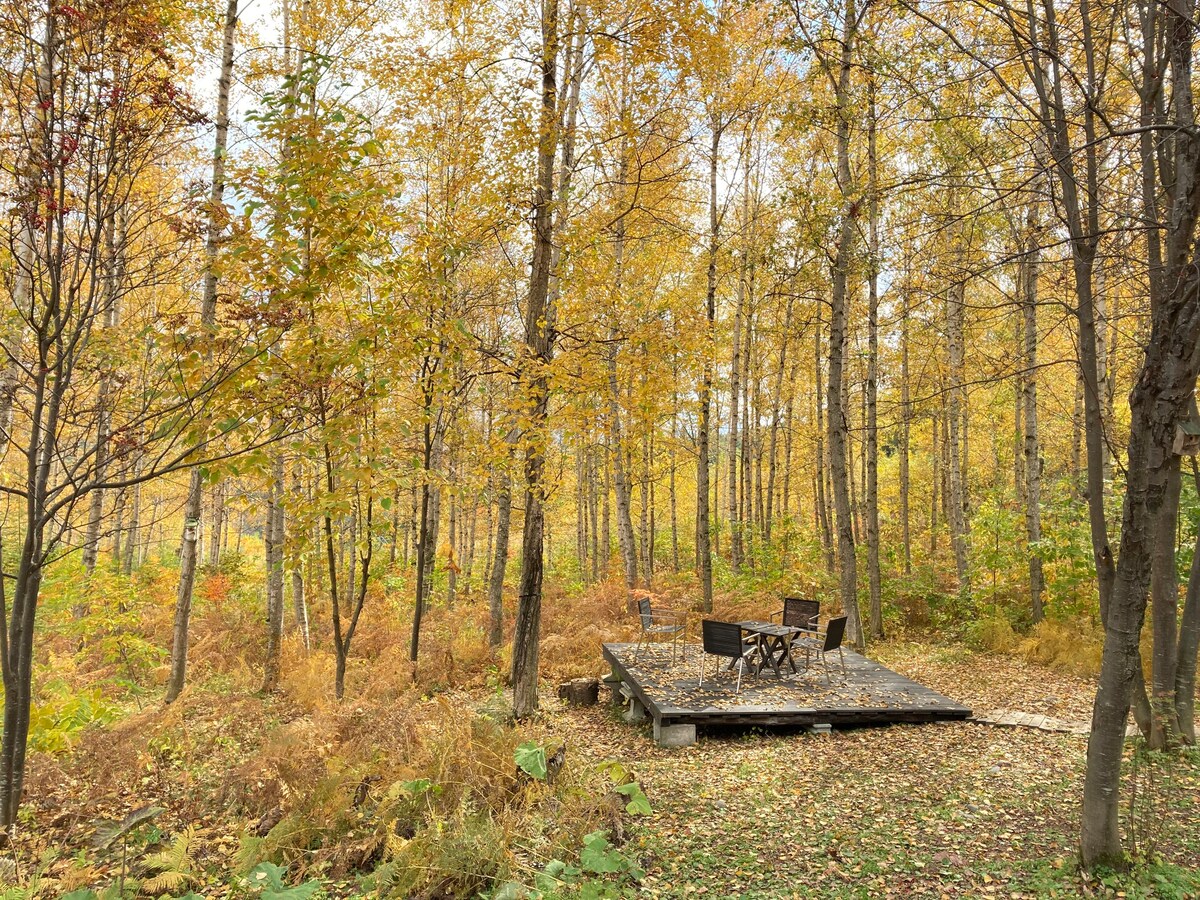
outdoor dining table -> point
(774, 644)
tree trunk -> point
(733, 511)
(905, 441)
(956, 493)
(1189, 644)
(452, 537)
(703, 537)
(822, 501)
(218, 524)
(839, 302)
(625, 538)
(776, 414)
(208, 318)
(537, 353)
(1164, 612)
(875, 625)
(135, 521)
(671, 499)
(500, 560)
(1033, 458)
(274, 532)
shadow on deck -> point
(867, 694)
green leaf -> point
(419, 786)
(551, 877)
(269, 877)
(599, 856)
(531, 759)
(639, 803)
(108, 832)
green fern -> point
(173, 868)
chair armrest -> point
(778, 612)
(678, 613)
(665, 617)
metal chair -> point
(666, 622)
(799, 613)
(829, 640)
(725, 639)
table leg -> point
(785, 644)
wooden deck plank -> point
(867, 694)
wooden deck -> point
(868, 694)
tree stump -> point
(580, 691)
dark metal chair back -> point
(644, 612)
(834, 632)
(800, 613)
(722, 638)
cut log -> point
(580, 691)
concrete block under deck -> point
(674, 735)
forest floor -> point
(940, 810)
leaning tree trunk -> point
(1158, 402)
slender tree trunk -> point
(956, 396)
(733, 506)
(218, 524)
(605, 554)
(905, 441)
(875, 626)
(135, 520)
(427, 524)
(625, 538)
(935, 462)
(839, 302)
(1189, 644)
(500, 560)
(822, 501)
(452, 564)
(538, 350)
(274, 532)
(581, 536)
(208, 318)
(703, 537)
(394, 543)
(671, 485)
(1033, 457)
(776, 415)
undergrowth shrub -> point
(1075, 646)
(439, 810)
(1072, 646)
(58, 719)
